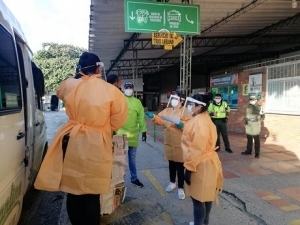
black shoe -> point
(246, 153)
(228, 150)
(256, 155)
(137, 183)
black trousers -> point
(201, 212)
(222, 129)
(83, 209)
(176, 168)
(256, 143)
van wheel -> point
(45, 151)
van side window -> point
(39, 86)
(10, 89)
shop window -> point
(229, 95)
(226, 85)
(10, 89)
(283, 89)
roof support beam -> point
(146, 44)
(126, 46)
(196, 60)
(226, 19)
(232, 16)
(257, 34)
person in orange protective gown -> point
(203, 168)
(172, 141)
(95, 109)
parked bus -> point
(22, 125)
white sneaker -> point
(181, 194)
(170, 187)
(191, 223)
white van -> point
(22, 125)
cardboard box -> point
(109, 202)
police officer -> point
(219, 110)
(254, 117)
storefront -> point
(278, 90)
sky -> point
(59, 21)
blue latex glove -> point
(149, 114)
(179, 125)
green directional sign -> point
(147, 17)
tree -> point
(58, 62)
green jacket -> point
(218, 110)
(253, 114)
(135, 121)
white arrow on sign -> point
(132, 17)
(190, 21)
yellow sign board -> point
(245, 89)
(168, 47)
(166, 39)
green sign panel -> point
(147, 17)
(11, 99)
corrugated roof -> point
(251, 26)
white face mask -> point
(128, 92)
(174, 102)
(253, 102)
(218, 100)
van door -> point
(29, 108)
(12, 131)
(40, 137)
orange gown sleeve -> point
(157, 118)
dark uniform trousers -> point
(221, 126)
(250, 143)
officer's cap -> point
(252, 97)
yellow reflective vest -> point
(218, 110)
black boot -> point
(228, 150)
(256, 155)
(246, 153)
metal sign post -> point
(186, 64)
(135, 70)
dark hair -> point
(219, 95)
(112, 78)
(77, 74)
(87, 62)
(203, 98)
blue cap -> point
(128, 84)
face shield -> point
(191, 104)
(174, 101)
(102, 69)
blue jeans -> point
(131, 163)
(201, 212)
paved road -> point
(256, 191)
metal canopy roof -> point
(233, 31)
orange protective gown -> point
(172, 135)
(198, 144)
(95, 108)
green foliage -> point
(58, 62)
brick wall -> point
(276, 128)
